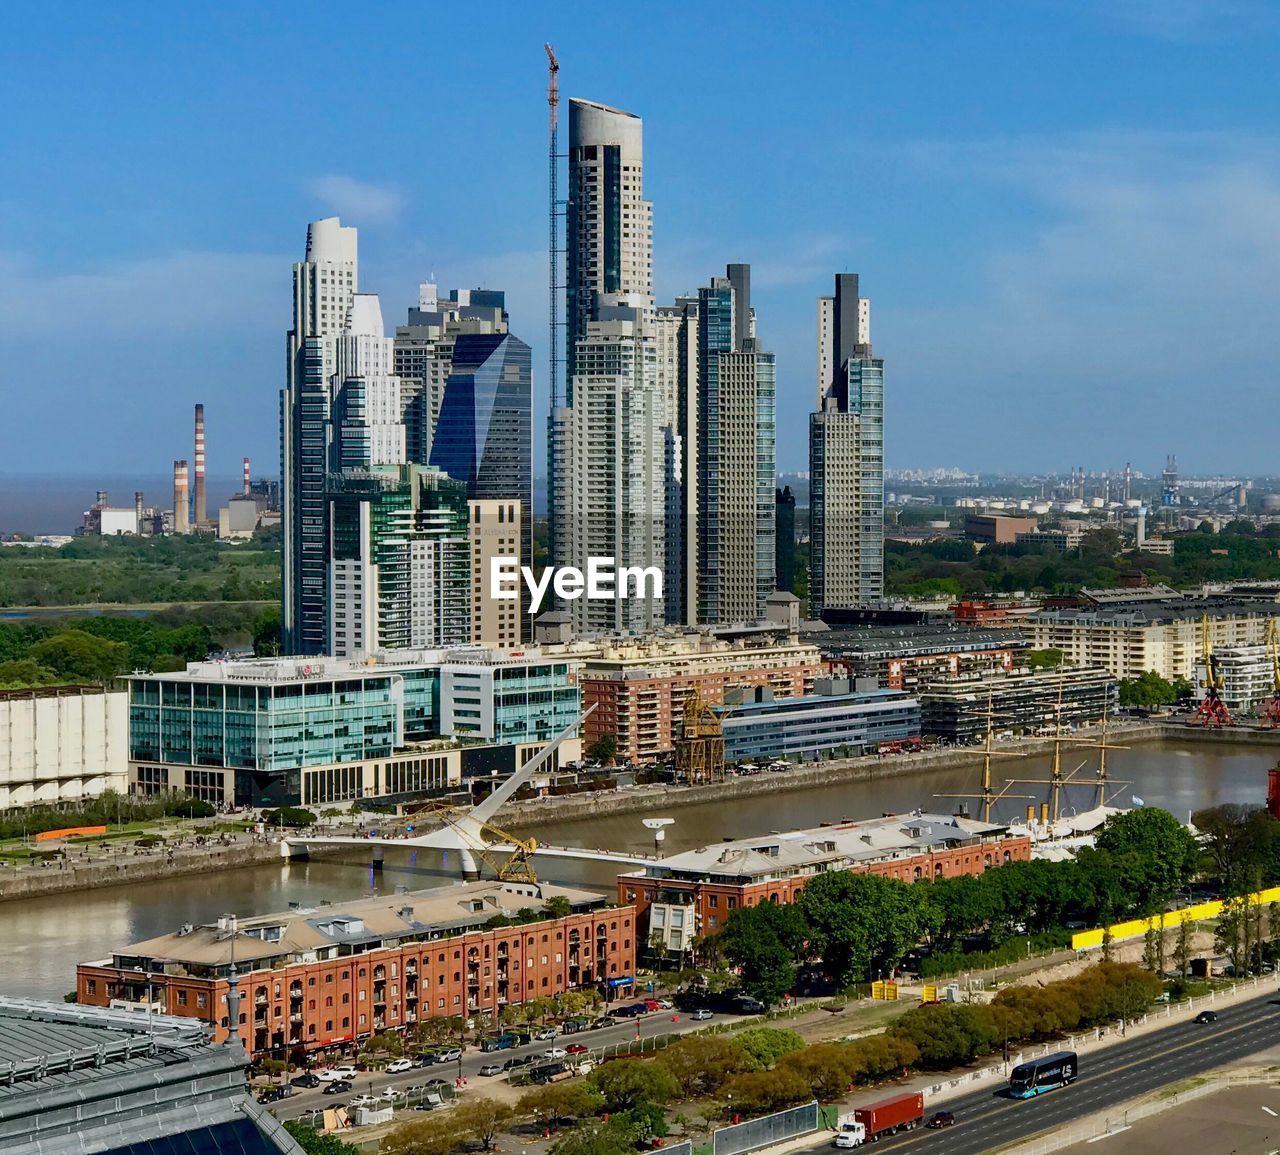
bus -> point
(1044, 1074)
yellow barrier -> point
(1138, 927)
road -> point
(656, 1023)
(987, 1120)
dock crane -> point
(1212, 710)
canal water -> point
(42, 939)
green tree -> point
(860, 924)
(763, 940)
(317, 1143)
(1153, 851)
(82, 657)
(626, 1084)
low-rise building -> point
(1027, 701)
(834, 721)
(639, 686)
(62, 744)
(337, 974)
(693, 893)
(303, 731)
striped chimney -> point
(181, 517)
(246, 477)
(200, 509)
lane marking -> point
(1099, 1138)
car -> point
(336, 1087)
(399, 1066)
(554, 1053)
(490, 1069)
(449, 1055)
(1207, 1017)
(307, 1080)
(701, 1015)
(941, 1119)
(575, 1049)
(546, 1034)
(329, 1074)
(391, 1094)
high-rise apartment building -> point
(611, 447)
(324, 283)
(846, 459)
(735, 438)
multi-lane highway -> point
(1109, 1076)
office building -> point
(735, 455)
(784, 527)
(835, 721)
(290, 731)
(687, 895)
(85, 1078)
(338, 974)
(846, 460)
(324, 283)
(62, 745)
(611, 447)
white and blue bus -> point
(1041, 1075)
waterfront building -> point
(62, 745)
(735, 458)
(910, 657)
(846, 460)
(835, 721)
(287, 732)
(324, 283)
(610, 444)
(691, 894)
(639, 687)
(1164, 635)
(784, 521)
(1023, 701)
(80, 1079)
(341, 973)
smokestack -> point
(137, 509)
(200, 510)
(246, 477)
(181, 524)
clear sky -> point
(1066, 213)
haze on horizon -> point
(1067, 216)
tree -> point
(317, 1143)
(760, 1092)
(860, 923)
(762, 940)
(1155, 853)
(766, 1045)
(627, 1083)
(556, 1102)
(603, 749)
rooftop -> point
(838, 846)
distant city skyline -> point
(1060, 229)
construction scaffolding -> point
(700, 744)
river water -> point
(42, 939)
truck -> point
(902, 1112)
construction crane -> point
(1212, 710)
(1271, 710)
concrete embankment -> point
(532, 813)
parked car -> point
(307, 1080)
(941, 1119)
(491, 1069)
(554, 1053)
(575, 1049)
(336, 1087)
(399, 1066)
(329, 1074)
(1207, 1017)
(702, 1015)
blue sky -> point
(1067, 214)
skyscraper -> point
(846, 459)
(735, 455)
(323, 285)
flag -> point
(1137, 801)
